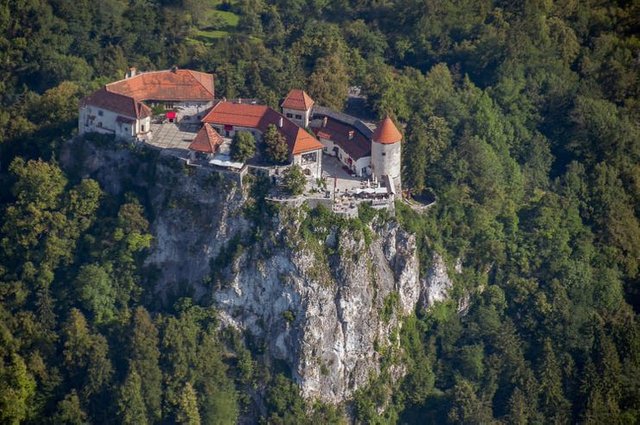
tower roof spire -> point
(386, 132)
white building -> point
(123, 108)
(297, 107)
(386, 153)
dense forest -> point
(522, 117)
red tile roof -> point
(120, 104)
(168, 85)
(207, 140)
(259, 117)
(338, 132)
(387, 132)
(298, 100)
(240, 114)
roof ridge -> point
(191, 71)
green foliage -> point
(243, 146)
(188, 408)
(521, 117)
(130, 402)
(294, 180)
(17, 388)
(277, 149)
(329, 82)
(96, 292)
(70, 411)
(389, 306)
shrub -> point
(294, 180)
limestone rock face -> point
(326, 306)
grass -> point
(228, 19)
(207, 36)
(215, 23)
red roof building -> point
(118, 103)
(297, 100)
(108, 109)
(206, 141)
(231, 115)
(169, 85)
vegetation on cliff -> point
(521, 116)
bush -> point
(277, 149)
(243, 146)
(294, 180)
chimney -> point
(324, 121)
(132, 72)
(351, 134)
(281, 122)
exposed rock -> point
(437, 283)
(325, 306)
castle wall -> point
(386, 160)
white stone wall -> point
(356, 166)
(363, 163)
(303, 122)
(328, 146)
(143, 125)
(107, 123)
(314, 167)
(257, 134)
(386, 160)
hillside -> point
(135, 290)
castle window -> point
(298, 117)
(100, 113)
(289, 115)
(384, 154)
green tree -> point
(70, 411)
(294, 180)
(466, 407)
(97, 292)
(131, 406)
(277, 149)
(552, 400)
(415, 154)
(329, 82)
(17, 388)
(144, 356)
(188, 408)
(243, 146)
(85, 356)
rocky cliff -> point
(323, 294)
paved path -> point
(170, 136)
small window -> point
(100, 113)
(100, 125)
(289, 115)
(142, 128)
(384, 154)
(298, 117)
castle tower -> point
(297, 107)
(386, 151)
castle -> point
(124, 109)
